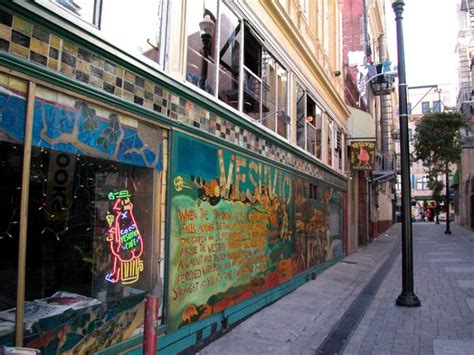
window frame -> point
(425, 107)
(308, 95)
(94, 34)
(246, 30)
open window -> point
(215, 63)
(309, 123)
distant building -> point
(463, 180)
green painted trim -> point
(128, 343)
(171, 84)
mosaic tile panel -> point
(38, 45)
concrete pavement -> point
(444, 282)
(323, 314)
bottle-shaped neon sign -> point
(125, 240)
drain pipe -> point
(152, 307)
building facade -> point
(464, 184)
(369, 85)
(194, 144)
(422, 100)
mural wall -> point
(234, 232)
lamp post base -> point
(408, 299)
(447, 232)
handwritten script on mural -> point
(230, 235)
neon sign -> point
(125, 240)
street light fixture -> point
(382, 87)
(407, 298)
(206, 29)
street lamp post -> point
(447, 231)
(407, 298)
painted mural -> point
(315, 225)
(231, 219)
(91, 194)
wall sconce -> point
(337, 72)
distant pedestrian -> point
(429, 215)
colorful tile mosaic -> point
(36, 44)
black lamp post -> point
(447, 231)
(407, 298)
(206, 28)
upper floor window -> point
(409, 108)
(134, 29)
(86, 10)
(422, 184)
(425, 107)
(437, 106)
(309, 123)
(262, 91)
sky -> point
(430, 34)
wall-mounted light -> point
(337, 72)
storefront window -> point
(93, 240)
(12, 134)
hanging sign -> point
(125, 240)
(362, 155)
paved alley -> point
(346, 311)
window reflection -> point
(134, 28)
(201, 56)
(229, 57)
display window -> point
(92, 223)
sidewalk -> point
(299, 322)
(444, 283)
(302, 322)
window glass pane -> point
(12, 122)
(311, 131)
(425, 107)
(252, 75)
(229, 54)
(318, 123)
(329, 144)
(269, 91)
(301, 117)
(84, 9)
(200, 69)
(283, 118)
(133, 28)
(436, 106)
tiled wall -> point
(34, 43)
